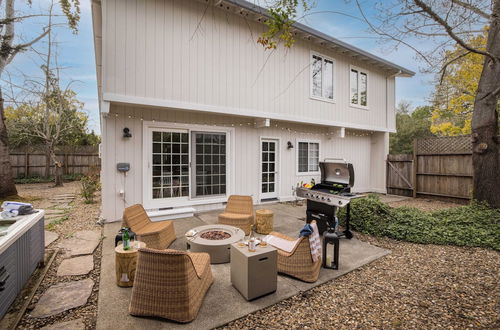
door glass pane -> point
(303, 155)
(354, 86)
(268, 166)
(210, 163)
(167, 161)
(363, 86)
(313, 157)
(328, 78)
(316, 76)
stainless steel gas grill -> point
(334, 191)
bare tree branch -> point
(445, 66)
(472, 8)
(449, 30)
(387, 35)
(22, 47)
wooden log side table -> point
(254, 274)
(125, 264)
(264, 221)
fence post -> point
(415, 168)
(47, 163)
(26, 164)
(65, 163)
(387, 174)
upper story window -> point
(321, 77)
(308, 157)
(359, 87)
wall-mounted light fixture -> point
(289, 145)
(126, 133)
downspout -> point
(387, 96)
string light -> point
(283, 128)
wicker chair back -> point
(239, 204)
(135, 217)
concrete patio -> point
(223, 303)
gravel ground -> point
(424, 204)
(81, 216)
(415, 287)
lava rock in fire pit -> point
(215, 235)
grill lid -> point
(337, 173)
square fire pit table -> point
(254, 274)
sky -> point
(76, 51)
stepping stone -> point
(76, 266)
(63, 296)
(83, 242)
(63, 206)
(68, 325)
(50, 237)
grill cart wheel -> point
(348, 234)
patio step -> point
(160, 215)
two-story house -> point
(193, 109)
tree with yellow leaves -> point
(453, 101)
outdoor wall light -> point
(126, 133)
(289, 145)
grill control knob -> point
(340, 202)
(329, 199)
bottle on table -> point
(126, 239)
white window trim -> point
(149, 202)
(360, 70)
(297, 141)
(320, 98)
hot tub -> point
(22, 247)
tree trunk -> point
(7, 186)
(485, 142)
(58, 181)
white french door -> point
(269, 156)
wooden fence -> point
(438, 167)
(34, 161)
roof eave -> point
(401, 71)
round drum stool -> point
(264, 221)
(125, 264)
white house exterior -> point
(211, 113)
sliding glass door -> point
(185, 164)
(210, 163)
(170, 162)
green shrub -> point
(471, 225)
(90, 185)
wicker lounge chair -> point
(156, 235)
(238, 213)
(170, 284)
(298, 263)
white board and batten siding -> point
(182, 54)
(244, 159)
(179, 62)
